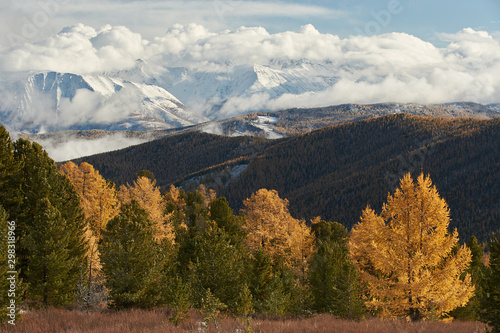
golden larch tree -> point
(100, 204)
(406, 255)
(147, 194)
(97, 196)
(271, 227)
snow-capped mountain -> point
(227, 90)
(50, 101)
(149, 96)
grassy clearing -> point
(144, 321)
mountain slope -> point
(50, 101)
(336, 171)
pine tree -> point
(211, 307)
(8, 165)
(405, 255)
(38, 191)
(180, 300)
(217, 265)
(261, 276)
(477, 271)
(50, 264)
(133, 262)
(334, 279)
(490, 303)
(232, 225)
(11, 287)
(245, 307)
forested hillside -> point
(336, 171)
(172, 158)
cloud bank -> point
(394, 67)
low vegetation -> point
(152, 321)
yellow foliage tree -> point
(406, 255)
(147, 194)
(98, 197)
(272, 228)
(99, 203)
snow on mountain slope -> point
(221, 92)
(50, 101)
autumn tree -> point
(99, 202)
(271, 227)
(97, 195)
(405, 254)
(147, 194)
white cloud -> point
(393, 67)
(60, 149)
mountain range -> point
(153, 97)
(336, 171)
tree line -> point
(336, 171)
(81, 239)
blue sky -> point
(151, 18)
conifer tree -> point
(100, 204)
(133, 262)
(147, 194)
(477, 271)
(270, 226)
(245, 307)
(261, 276)
(405, 254)
(50, 264)
(268, 285)
(490, 303)
(217, 265)
(10, 285)
(180, 299)
(232, 225)
(211, 307)
(38, 191)
(334, 280)
(8, 165)
(97, 196)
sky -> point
(33, 20)
(422, 51)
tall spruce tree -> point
(34, 189)
(490, 303)
(477, 271)
(133, 262)
(268, 287)
(232, 225)
(8, 165)
(50, 263)
(217, 265)
(10, 286)
(334, 280)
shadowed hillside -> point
(336, 171)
